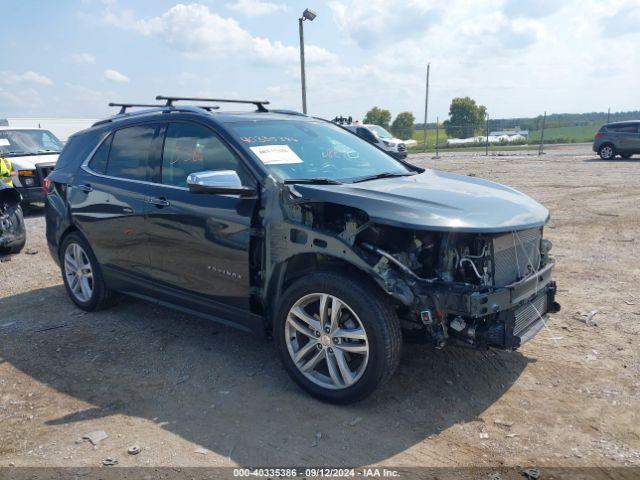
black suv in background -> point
(279, 223)
(619, 138)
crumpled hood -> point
(29, 162)
(435, 200)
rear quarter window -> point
(99, 160)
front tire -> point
(12, 222)
(606, 152)
(82, 275)
(338, 337)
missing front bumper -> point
(503, 318)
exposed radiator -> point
(529, 313)
(516, 255)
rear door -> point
(626, 136)
(199, 243)
(108, 200)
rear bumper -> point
(400, 155)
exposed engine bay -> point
(475, 289)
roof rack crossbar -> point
(258, 103)
(124, 106)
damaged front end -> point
(475, 289)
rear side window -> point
(190, 148)
(98, 162)
(131, 149)
(628, 128)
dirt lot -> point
(190, 392)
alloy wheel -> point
(606, 152)
(326, 341)
(78, 272)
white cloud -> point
(83, 58)
(196, 31)
(371, 23)
(29, 76)
(253, 8)
(115, 76)
(517, 59)
(20, 100)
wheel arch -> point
(66, 232)
(286, 272)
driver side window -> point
(190, 148)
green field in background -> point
(418, 136)
(571, 134)
(574, 134)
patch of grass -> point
(574, 134)
(418, 136)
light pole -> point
(306, 15)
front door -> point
(199, 243)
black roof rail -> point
(258, 103)
(124, 106)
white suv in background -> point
(379, 136)
(33, 153)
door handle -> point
(86, 188)
(158, 202)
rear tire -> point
(343, 355)
(606, 151)
(82, 275)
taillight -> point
(598, 134)
(46, 185)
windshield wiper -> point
(19, 152)
(313, 181)
(383, 175)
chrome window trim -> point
(85, 166)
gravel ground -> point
(193, 393)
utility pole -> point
(426, 107)
(437, 137)
(541, 149)
(302, 73)
(608, 114)
(306, 15)
(486, 152)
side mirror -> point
(222, 182)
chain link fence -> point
(493, 135)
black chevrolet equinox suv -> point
(292, 227)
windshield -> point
(314, 150)
(28, 142)
(379, 131)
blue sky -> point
(517, 57)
